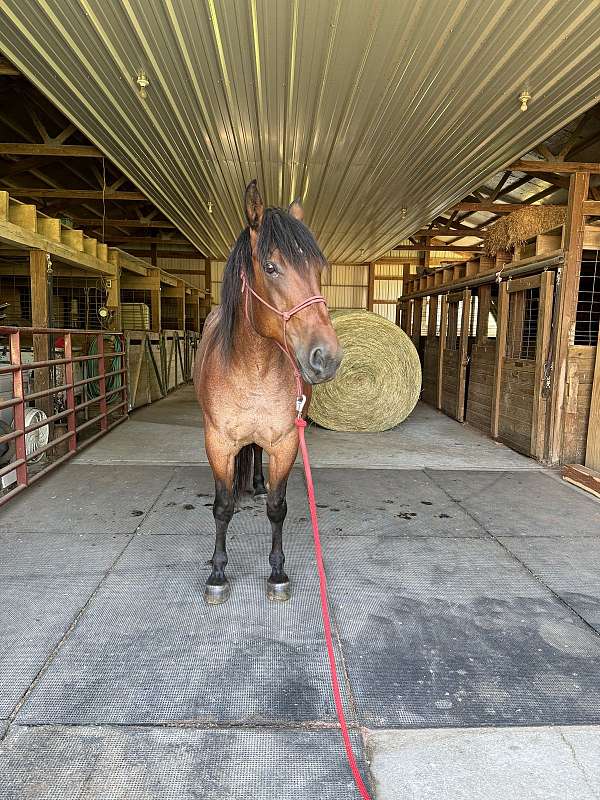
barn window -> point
(473, 317)
(523, 314)
(588, 299)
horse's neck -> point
(253, 351)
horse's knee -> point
(276, 507)
(223, 506)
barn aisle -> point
(465, 602)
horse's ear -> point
(254, 205)
(296, 210)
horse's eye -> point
(271, 269)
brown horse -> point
(245, 371)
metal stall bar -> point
(110, 414)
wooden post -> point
(371, 287)
(113, 300)
(500, 354)
(181, 305)
(40, 318)
(463, 347)
(567, 307)
(484, 295)
(417, 322)
(440, 371)
(592, 451)
(538, 420)
(155, 310)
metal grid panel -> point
(527, 503)
(523, 313)
(350, 503)
(587, 320)
(458, 634)
(149, 650)
(61, 763)
(44, 584)
(360, 122)
(101, 499)
(569, 566)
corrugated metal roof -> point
(361, 108)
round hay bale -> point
(379, 381)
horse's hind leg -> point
(280, 464)
(258, 481)
(222, 461)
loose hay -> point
(515, 228)
(379, 381)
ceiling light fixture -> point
(142, 81)
(524, 98)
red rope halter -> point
(301, 425)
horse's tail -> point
(242, 475)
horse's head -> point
(286, 271)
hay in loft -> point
(527, 221)
(379, 381)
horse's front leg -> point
(221, 456)
(281, 460)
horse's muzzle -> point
(320, 363)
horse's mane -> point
(278, 231)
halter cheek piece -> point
(285, 316)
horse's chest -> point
(253, 413)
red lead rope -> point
(301, 425)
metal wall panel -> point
(360, 108)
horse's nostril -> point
(317, 359)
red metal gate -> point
(110, 403)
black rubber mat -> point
(149, 650)
(526, 503)
(44, 581)
(351, 502)
(61, 763)
(86, 499)
(440, 632)
(570, 567)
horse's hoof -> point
(216, 594)
(260, 493)
(279, 592)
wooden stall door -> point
(482, 361)
(453, 354)
(519, 409)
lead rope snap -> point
(300, 403)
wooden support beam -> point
(567, 306)
(429, 248)
(539, 416)
(112, 222)
(592, 451)
(494, 208)
(76, 194)
(151, 240)
(6, 68)
(41, 292)
(58, 150)
(569, 167)
(186, 254)
(453, 230)
(583, 477)
(502, 327)
(153, 284)
(371, 287)
(441, 351)
(591, 207)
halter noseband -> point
(285, 316)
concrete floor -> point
(465, 593)
(427, 439)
